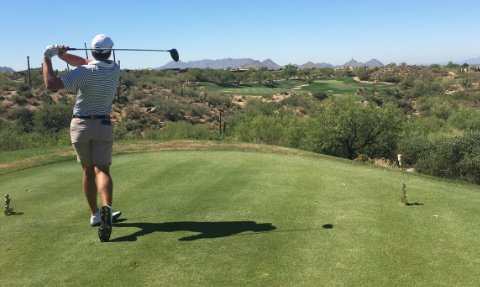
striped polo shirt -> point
(96, 84)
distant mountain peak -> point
(221, 64)
(6, 69)
(372, 63)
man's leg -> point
(90, 188)
(105, 188)
(104, 183)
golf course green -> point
(230, 217)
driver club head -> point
(174, 54)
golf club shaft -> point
(142, 50)
(173, 52)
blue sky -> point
(411, 31)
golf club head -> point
(174, 54)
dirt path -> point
(299, 87)
(368, 82)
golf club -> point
(173, 52)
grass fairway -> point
(253, 89)
(231, 218)
(342, 86)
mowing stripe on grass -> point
(215, 218)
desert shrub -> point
(283, 129)
(262, 129)
(199, 110)
(424, 126)
(257, 107)
(18, 99)
(460, 95)
(11, 140)
(123, 100)
(23, 119)
(391, 78)
(146, 104)
(437, 106)
(136, 94)
(27, 94)
(119, 132)
(169, 109)
(219, 100)
(320, 95)
(22, 88)
(465, 119)
(182, 130)
(296, 101)
(37, 79)
(46, 98)
(456, 158)
(414, 148)
(127, 81)
(53, 117)
(133, 112)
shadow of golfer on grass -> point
(205, 229)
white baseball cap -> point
(102, 41)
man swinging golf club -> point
(91, 130)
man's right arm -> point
(71, 59)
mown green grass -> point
(253, 89)
(342, 86)
(230, 218)
(17, 155)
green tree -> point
(327, 72)
(261, 75)
(347, 128)
(362, 73)
(290, 71)
(305, 72)
(451, 65)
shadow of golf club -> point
(205, 229)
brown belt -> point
(103, 117)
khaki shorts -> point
(92, 140)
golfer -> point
(91, 129)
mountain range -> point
(6, 69)
(250, 63)
(471, 61)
